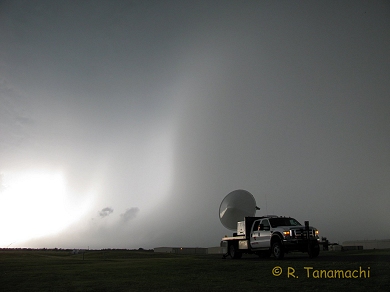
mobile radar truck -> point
(264, 235)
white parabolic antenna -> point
(235, 206)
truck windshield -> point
(275, 222)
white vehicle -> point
(264, 235)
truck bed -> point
(234, 237)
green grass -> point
(29, 270)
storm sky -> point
(147, 113)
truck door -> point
(264, 238)
(255, 234)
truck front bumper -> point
(299, 244)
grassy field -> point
(33, 270)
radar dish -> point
(235, 206)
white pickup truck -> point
(271, 235)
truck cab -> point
(261, 234)
(274, 235)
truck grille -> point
(301, 233)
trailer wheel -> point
(233, 252)
(277, 250)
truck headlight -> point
(286, 233)
(317, 232)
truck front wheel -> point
(234, 253)
(277, 250)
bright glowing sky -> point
(123, 124)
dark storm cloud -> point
(288, 100)
(130, 214)
(105, 212)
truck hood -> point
(287, 228)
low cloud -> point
(130, 214)
(105, 212)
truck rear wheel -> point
(277, 250)
(233, 252)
